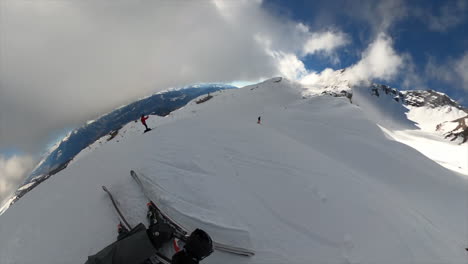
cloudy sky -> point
(63, 62)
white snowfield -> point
(432, 142)
(316, 182)
(416, 127)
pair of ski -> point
(179, 231)
(158, 258)
(182, 233)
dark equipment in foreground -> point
(133, 248)
(140, 245)
(197, 247)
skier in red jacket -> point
(143, 121)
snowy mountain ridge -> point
(160, 103)
(63, 152)
(430, 98)
(432, 111)
(428, 121)
(436, 114)
(316, 182)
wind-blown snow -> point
(316, 182)
(428, 118)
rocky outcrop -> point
(429, 98)
(459, 133)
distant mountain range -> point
(319, 180)
(452, 125)
(447, 117)
(444, 116)
(64, 151)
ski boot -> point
(122, 230)
(158, 231)
(152, 214)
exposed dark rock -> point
(204, 99)
(112, 135)
(429, 98)
(459, 132)
(343, 93)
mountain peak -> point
(429, 98)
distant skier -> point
(143, 121)
(259, 120)
(140, 245)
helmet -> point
(199, 245)
(159, 234)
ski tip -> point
(104, 188)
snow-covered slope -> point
(160, 103)
(59, 155)
(433, 138)
(431, 108)
(420, 119)
(438, 119)
(316, 182)
(429, 121)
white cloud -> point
(411, 79)
(390, 12)
(65, 62)
(438, 72)
(231, 10)
(379, 15)
(326, 43)
(302, 28)
(287, 64)
(461, 69)
(453, 72)
(312, 78)
(13, 171)
(290, 66)
(451, 14)
(379, 61)
(322, 78)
